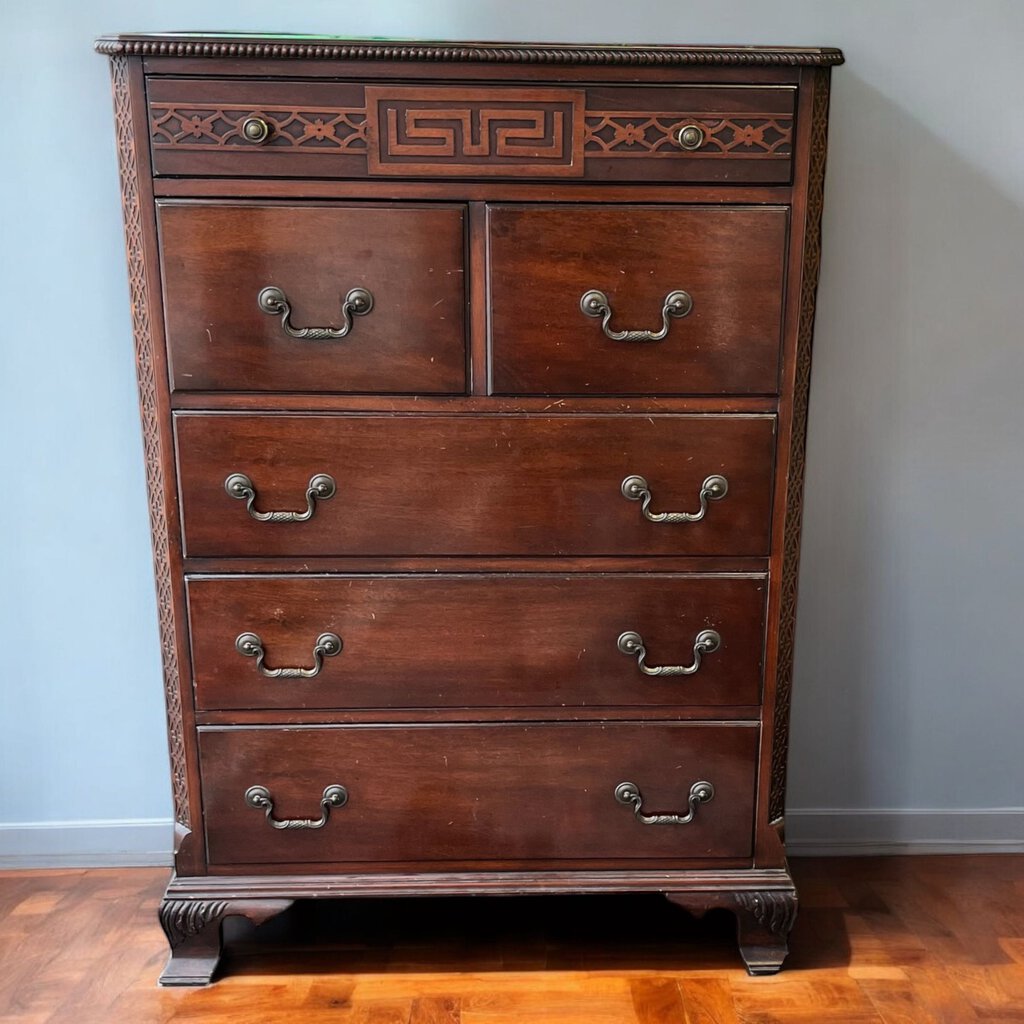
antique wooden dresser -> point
(474, 382)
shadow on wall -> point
(910, 595)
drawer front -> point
(729, 262)
(744, 135)
(729, 134)
(388, 282)
(476, 793)
(475, 641)
(473, 485)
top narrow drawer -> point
(687, 133)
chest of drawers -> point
(473, 383)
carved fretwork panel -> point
(643, 133)
(314, 131)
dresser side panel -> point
(804, 265)
(151, 367)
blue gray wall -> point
(908, 698)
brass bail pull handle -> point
(595, 303)
(714, 488)
(707, 642)
(249, 645)
(274, 302)
(320, 488)
(260, 798)
(627, 793)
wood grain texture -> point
(396, 70)
(419, 716)
(465, 793)
(216, 259)
(476, 641)
(468, 191)
(479, 359)
(506, 564)
(475, 485)
(544, 259)
(904, 940)
(476, 403)
(721, 878)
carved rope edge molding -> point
(138, 287)
(655, 56)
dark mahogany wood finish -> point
(478, 560)
(349, 129)
(216, 259)
(488, 485)
(544, 259)
(462, 793)
(477, 641)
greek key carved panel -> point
(473, 132)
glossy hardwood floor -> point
(903, 940)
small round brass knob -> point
(256, 130)
(690, 136)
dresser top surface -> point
(262, 46)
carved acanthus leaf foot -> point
(193, 930)
(764, 919)
(763, 923)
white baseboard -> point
(145, 842)
(828, 832)
(852, 832)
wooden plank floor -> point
(903, 940)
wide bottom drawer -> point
(503, 792)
